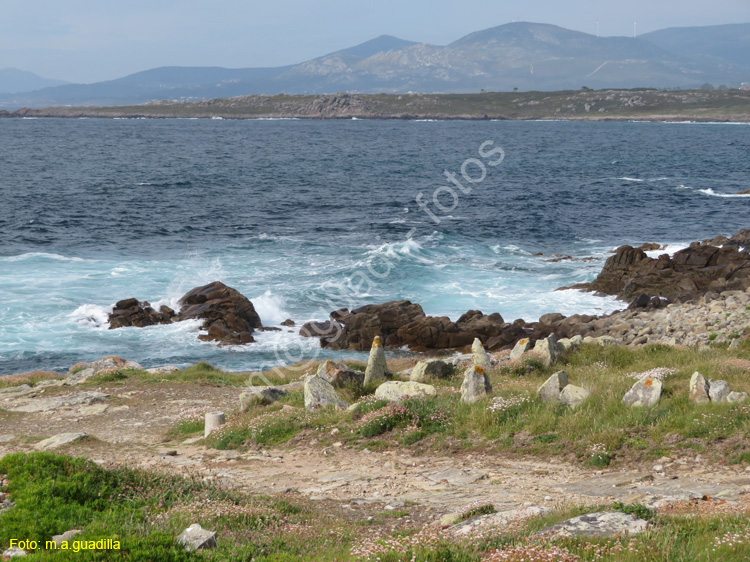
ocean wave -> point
(270, 308)
(638, 180)
(712, 193)
(92, 315)
(42, 255)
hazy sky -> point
(92, 40)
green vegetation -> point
(601, 432)
(731, 105)
(145, 511)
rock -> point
(14, 552)
(260, 395)
(228, 316)
(320, 393)
(165, 370)
(58, 441)
(547, 350)
(73, 400)
(340, 375)
(689, 273)
(644, 393)
(475, 386)
(377, 368)
(105, 366)
(479, 356)
(65, 537)
(699, 389)
(522, 346)
(601, 524)
(552, 388)
(573, 395)
(393, 391)
(449, 519)
(718, 391)
(736, 397)
(132, 312)
(213, 421)
(551, 319)
(196, 537)
(495, 520)
(288, 322)
(433, 368)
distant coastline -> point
(578, 105)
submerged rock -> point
(228, 316)
(132, 312)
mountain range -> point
(526, 56)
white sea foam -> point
(631, 179)
(41, 255)
(91, 315)
(270, 308)
(712, 193)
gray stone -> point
(699, 389)
(475, 386)
(479, 356)
(393, 391)
(377, 368)
(340, 375)
(718, 391)
(75, 400)
(601, 524)
(521, 347)
(103, 366)
(260, 395)
(573, 395)
(645, 393)
(552, 387)
(65, 537)
(6, 438)
(165, 370)
(433, 368)
(456, 476)
(547, 350)
(496, 520)
(14, 552)
(196, 537)
(736, 397)
(320, 393)
(58, 440)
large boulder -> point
(691, 272)
(644, 393)
(132, 312)
(394, 391)
(321, 394)
(475, 386)
(196, 537)
(546, 349)
(699, 389)
(552, 387)
(340, 375)
(573, 396)
(718, 391)
(436, 368)
(228, 316)
(601, 524)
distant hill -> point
(527, 56)
(13, 81)
(717, 44)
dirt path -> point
(131, 429)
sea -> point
(306, 216)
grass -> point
(601, 432)
(145, 511)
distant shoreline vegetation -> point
(570, 105)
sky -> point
(93, 40)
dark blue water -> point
(293, 213)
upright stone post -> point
(213, 420)
(376, 365)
